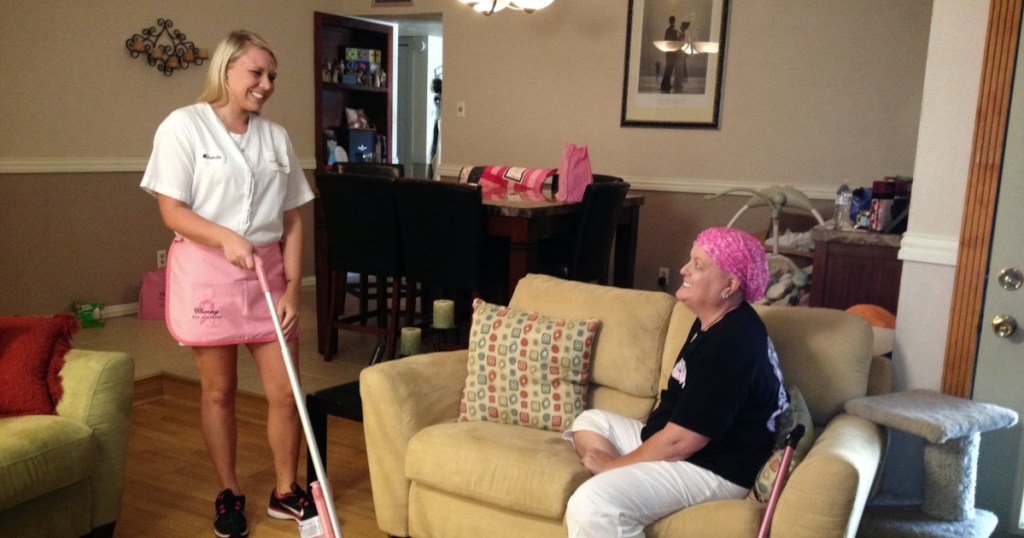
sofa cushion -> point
(525, 368)
(519, 469)
(630, 343)
(32, 352)
(825, 352)
(41, 453)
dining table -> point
(523, 219)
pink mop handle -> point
(780, 479)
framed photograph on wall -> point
(675, 52)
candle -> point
(444, 314)
(410, 342)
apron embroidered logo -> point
(206, 312)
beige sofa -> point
(435, 477)
(62, 475)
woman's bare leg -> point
(218, 377)
(284, 430)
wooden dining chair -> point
(362, 234)
(598, 178)
(585, 253)
(443, 245)
(362, 286)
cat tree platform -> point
(951, 428)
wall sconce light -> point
(171, 54)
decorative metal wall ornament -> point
(167, 49)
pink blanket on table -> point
(510, 177)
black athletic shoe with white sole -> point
(296, 505)
(230, 521)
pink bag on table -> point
(574, 175)
(211, 302)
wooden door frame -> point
(982, 190)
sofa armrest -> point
(98, 388)
(826, 494)
(400, 398)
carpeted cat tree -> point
(951, 428)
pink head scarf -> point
(741, 255)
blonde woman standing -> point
(228, 183)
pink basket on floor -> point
(152, 294)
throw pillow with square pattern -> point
(795, 413)
(526, 368)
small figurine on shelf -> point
(383, 79)
(325, 71)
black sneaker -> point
(230, 521)
(296, 504)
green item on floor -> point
(89, 314)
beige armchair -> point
(435, 477)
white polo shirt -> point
(242, 182)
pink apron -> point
(211, 302)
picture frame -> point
(674, 80)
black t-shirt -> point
(725, 386)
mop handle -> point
(300, 403)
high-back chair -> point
(598, 178)
(362, 230)
(595, 232)
(442, 228)
(372, 169)
(359, 285)
(585, 253)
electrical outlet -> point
(161, 258)
(662, 277)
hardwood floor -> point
(170, 484)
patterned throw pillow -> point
(796, 413)
(526, 368)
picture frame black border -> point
(714, 122)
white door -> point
(999, 375)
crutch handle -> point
(795, 436)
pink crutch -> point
(780, 479)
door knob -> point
(1010, 279)
(1004, 326)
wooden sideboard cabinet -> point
(855, 267)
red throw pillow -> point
(31, 356)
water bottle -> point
(841, 217)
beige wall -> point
(815, 92)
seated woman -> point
(713, 428)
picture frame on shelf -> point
(674, 64)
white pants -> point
(621, 502)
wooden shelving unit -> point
(332, 35)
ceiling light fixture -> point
(488, 7)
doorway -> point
(419, 49)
